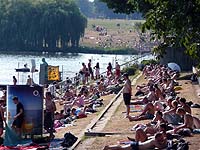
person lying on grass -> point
(159, 141)
(147, 113)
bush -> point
(148, 62)
(130, 70)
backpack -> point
(182, 145)
(178, 145)
(69, 140)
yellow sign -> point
(53, 73)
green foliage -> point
(131, 70)
(40, 24)
(148, 62)
(173, 23)
(128, 6)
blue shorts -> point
(149, 116)
(135, 146)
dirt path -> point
(118, 123)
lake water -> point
(69, 64)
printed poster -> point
(32, 100)
(53, 73)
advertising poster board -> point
(32, 100)
(53, 73)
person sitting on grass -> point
(170, 116)
(142, 135)
(59, 115)
(79, 113)
(190, 122)
(159, 142)
(147, 113)
(150, 97)
(183, 104)
(154, 125)
(68, 95)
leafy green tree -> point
(40, 24)
(175, 23)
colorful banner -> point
(53, 73)
(32, 100)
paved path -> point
(99, 124)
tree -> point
(86, 7)
(40, 24)
(174, 23)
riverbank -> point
(75, 51)
(102, 36)
(119, 124)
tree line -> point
(40, 25)
(98, 9)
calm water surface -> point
(69, 64)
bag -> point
(69, 140)
(182, 145)
(178, 145)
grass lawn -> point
(115, 34)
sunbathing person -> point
(170, 116)
(159, 142)
(190, 121)
(158, 93)
(187, 108)
(79, 100)
(79, 113)
(169, 104)
(59, 115)
(154, 126)
(142, 89)
(68, 95)
(150, 128)
(142, 135)
(147, 113)
(150, 97)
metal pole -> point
(18, 73)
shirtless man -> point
(159, 142)
(190, 121)
(187, 108)
(127, 91)
(150, 97)
(147, 113)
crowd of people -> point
(82, 95)
(170, 115)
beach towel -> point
(12, 139)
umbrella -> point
(174, 67)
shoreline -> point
(76, 51)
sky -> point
(91, 0)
